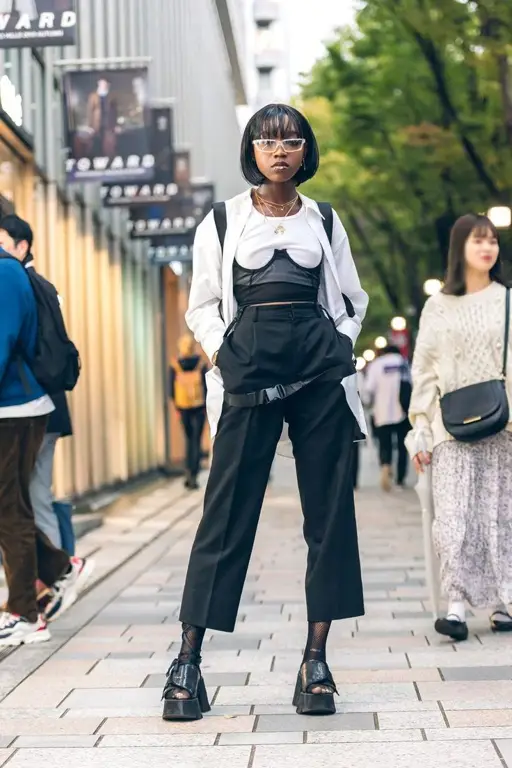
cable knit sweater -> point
(460, 342)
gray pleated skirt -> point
(472, 532)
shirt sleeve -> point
(425, 391)
(349, 281)
(11, 316)
(203, 313)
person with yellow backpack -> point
(188, 392)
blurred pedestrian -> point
(461, 423)
(25, 406)
(262, 307)
(384, 386)
(188, 392)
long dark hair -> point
(455, 283)
(270, 122)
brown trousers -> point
(26, 552)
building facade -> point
(267, 55)
(115, 301)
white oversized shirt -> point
(212, 290)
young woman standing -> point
(268, 310)
(459, 410)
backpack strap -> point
(328, 219)
(221, 222)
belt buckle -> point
(275, 393)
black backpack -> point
(56, 363)
(221, 223)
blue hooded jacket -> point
(18, 331)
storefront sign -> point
(108, 126)
(175, 217)
(138, 194)
(181, 215)
(11, 101)
(167, 254)
(35, 23)
(162, 188)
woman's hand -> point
(422, 460)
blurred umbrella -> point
(424, 491)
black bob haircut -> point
(18, 229)
(273, 121)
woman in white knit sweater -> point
(461, 342)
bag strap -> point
(507, 332)
(221, 221)
(328, 219)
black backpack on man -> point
(56, 363)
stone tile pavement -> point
(92, 695)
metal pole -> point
(165, 373)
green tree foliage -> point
(413, 111)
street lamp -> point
(399, 323)
(501, 216)
(360, 363)
(432, 286)
(381, 342)
(369, 355)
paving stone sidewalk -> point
(407, 697)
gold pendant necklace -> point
(281, 229)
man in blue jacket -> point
(27, 553)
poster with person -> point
(36, 23)
(108, 126)
(162, 188)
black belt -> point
(279, 392)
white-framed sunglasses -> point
(271, 145)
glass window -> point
(265, 78)
(11, 179)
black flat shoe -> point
(184, 676)
(500, 626)
(457, 630)
(314, 674)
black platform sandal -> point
(314, 674)
(501, 626)
(185, 676)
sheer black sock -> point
(317, 641)
(191, 643)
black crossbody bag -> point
(480, 410)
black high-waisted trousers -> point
(298, 343)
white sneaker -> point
(15, 630)
(65, 591)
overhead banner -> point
(138, 194)
(180, 216)
(108, 126)
(36, 23)
(162, 189)
(166, 254)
